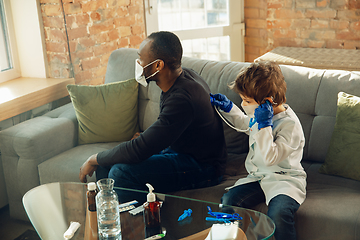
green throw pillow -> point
(342, 158)
(106, 113)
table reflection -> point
(62, 203)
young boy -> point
(276, 142)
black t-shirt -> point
(187, 123)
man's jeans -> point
(166, 172)
(281, 208)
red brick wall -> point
(300, 23)
(95, 28)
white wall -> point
(29, 37)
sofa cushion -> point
(330, 210)
(318, 121)
(65, 166)
(106, 113)
(342, 157)
(235, 165)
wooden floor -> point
(11, 228)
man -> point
(185, 147)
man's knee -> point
(117, 171)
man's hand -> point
(88, 168)
(135, 135)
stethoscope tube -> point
(229, 124)
(252, 120)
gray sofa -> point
(44, 149)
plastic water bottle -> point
(108, 215)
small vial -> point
(91, 229)
(91, 193)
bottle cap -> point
(91, 186)
(151, 196)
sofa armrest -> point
(26, 145)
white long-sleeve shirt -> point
(274, 154)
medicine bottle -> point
(91, 229)
(91, 193)
(151, 210)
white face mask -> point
(139, 72)
(250, 109)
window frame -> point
(235, 30)
(14, 72)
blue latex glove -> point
(264, 114)
(221, 101)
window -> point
(208, 29)
(192, 14)
(9, 67)
(212, 48)
(5, 57)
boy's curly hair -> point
(261, 80)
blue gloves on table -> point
(264, 114)
(221, 101)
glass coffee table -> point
(51, 207)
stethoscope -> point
(252, 120)
(230, 124)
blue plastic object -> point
(221, 215)
(187, 213)
(252, 122)
(218, 220)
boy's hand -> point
(221, 101)
(264, 114)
